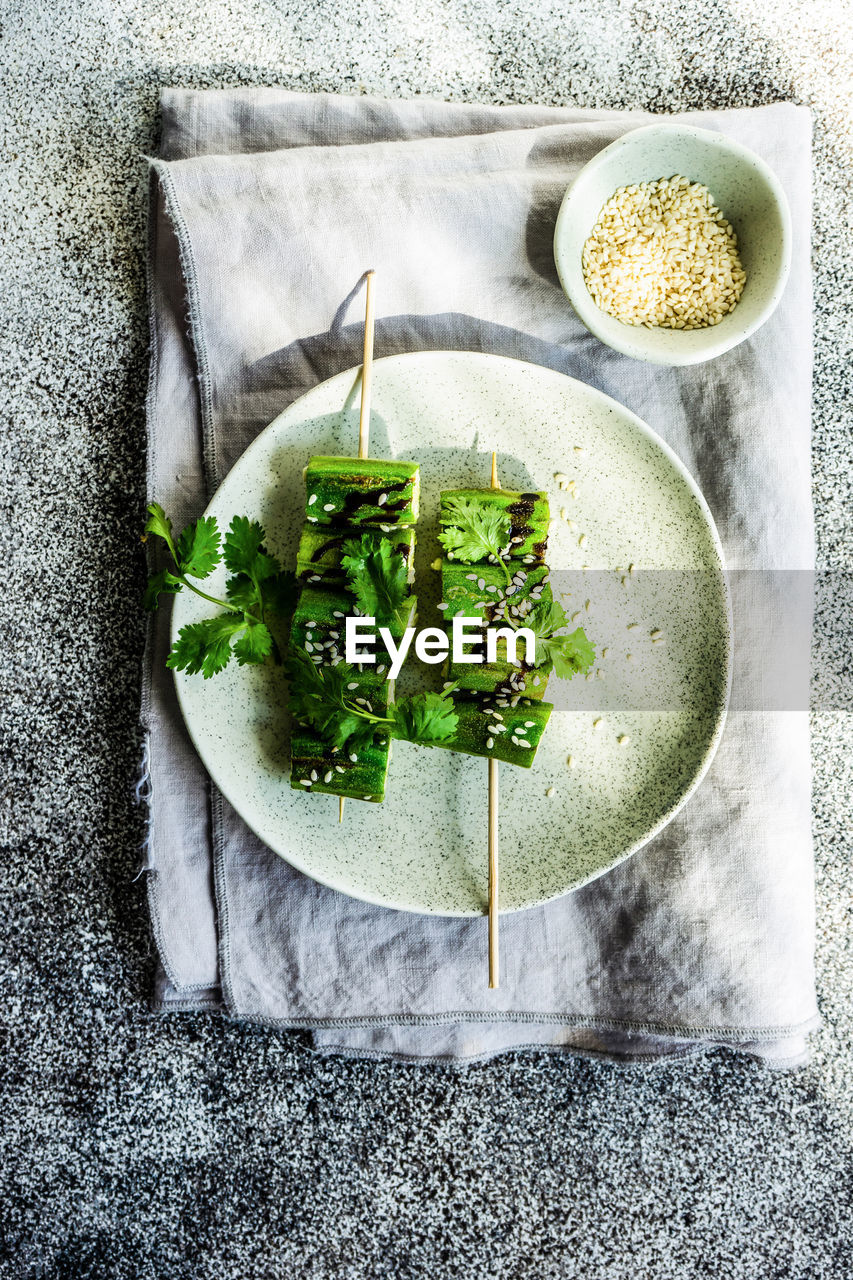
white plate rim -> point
(350, 376)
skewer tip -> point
(340, 808)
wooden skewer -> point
(366, 369)
(364, 415)
(494, 971)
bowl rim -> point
(588, 311)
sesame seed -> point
(304, 782)
(530, 724)
(570, 761)
(582, 540)
(328, 776)
(661, 254)
(596, 724)
(328, 506)
(353, 684)
(654, 634)
(490, 742)
(313, 775)
(382, 499)
(353, 757)
(551, 792)
(312, 499)
(623, 740)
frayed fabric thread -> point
(142, 796)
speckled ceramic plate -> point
(424, 849)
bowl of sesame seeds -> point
(673, 244)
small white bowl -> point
(743, 187)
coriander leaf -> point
(425, 718)
(571, 655)
(160, 525)
(243, 541)
(473, 531)
(377, 577)
(320, 698)
(244, 550)
(205, 646)
(546, 618)
(242, 592)
(254, 644)
(198, 551)
(280, 592)
(163, 583)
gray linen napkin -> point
(266, 208)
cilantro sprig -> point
(376, 576)
(257, 589)
(320, 697)
(473, 532)
(571, 654)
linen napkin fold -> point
(266, 207)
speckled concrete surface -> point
(136, 1146)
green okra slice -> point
(319, 627)
(362, 491)
(358, 774)
(482, 591)
(511, 734)
(318, 560)
(529, 515)
(466, 591)
(501, 678)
